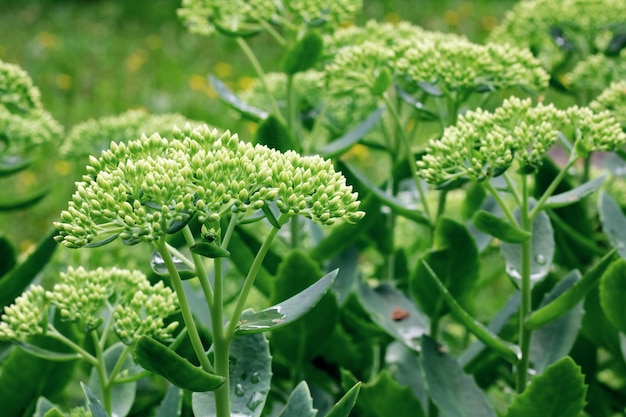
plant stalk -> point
(525, 288)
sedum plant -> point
(147, 189)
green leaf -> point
(542, 244)
(613, 294)
(12, 164)
(555, 340)
(430, 88)
(274, 134)
(394, 313)
(241, 257)
(124, 394)
(597, 327)
(454, 258)
(558, 392)
(300, 403)
(209, 250)
(613, 222)
(8, 257)
(237, 29)
(44, 407)
(392, 202)
(342, 144)
(307, 337)
(382, 82)
(269, 215)
(230, 98)
(157, 263)
(16, 281)
(23, 202)
(566, 301)
(172, 403)
(158, 358)
(345, 405)
(250, 376)
(499, 228)
(383, 397)
(48, 354)
(454, 392)
(405, 366)
(424, 113)
(304, 54)
(94, 404)
(54, 412)
(347, 264)
(287, 311)
(574, 195)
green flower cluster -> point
(414, 56)
(596, 72)
(464, 67)
(242, 17)
(81, 296)
(206, 17)
(612, 99)
(25, 317)
(23, 121)
(146, 188)
(485, 144)
(554, 29)
(94, 135)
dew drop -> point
(255, 378)
(239, 391)
(540, 259)
(256, 400)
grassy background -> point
(96, 58)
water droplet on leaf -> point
(255, 378)
(540, 259)
(239, 391)
(256, 400)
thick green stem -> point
(185, 310)
(54, 333)
(552, 187)
(200, 268)
(525, 288)
(221, 345)
(101, 370)
(249, 282)
(261, 74)
(408, 155)
(496, 195)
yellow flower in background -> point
(223, 70)
(63, 168)
(136, 60)
(46, 40)
(201, 83)
(393, 17)
(451, 17)
(63, 81)
(245, 83)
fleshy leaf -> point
(613, 223)
(346, 403)
(556, 339)
(542, 250)
(94, 404)
(613, 294)
(430, 88)
(44, 406)
(425, 113)
(250, 376)
(209, 250)
(383, 394)
(23, 202)
(405, 366)
(158, 266)
(10, 165)
(304, 54)
(172, 403)
(455, 393)
(347, 264)
(499, 228)
(16, 281)
(300, 403)
(274, 134)
(235, 102)
(394, 313)
(288, 310)
(558, 392)
(8, 257)
(158, 358)
(342, 144)
(566, 301)
(576, 194)
(123, 393)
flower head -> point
(596, 72)
(17, 92)
(612, 99)
(146, 188)
(206, 17)
(25, 316)
(594, 131)
(330, 13)
(94, 135)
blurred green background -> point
(96, 58)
